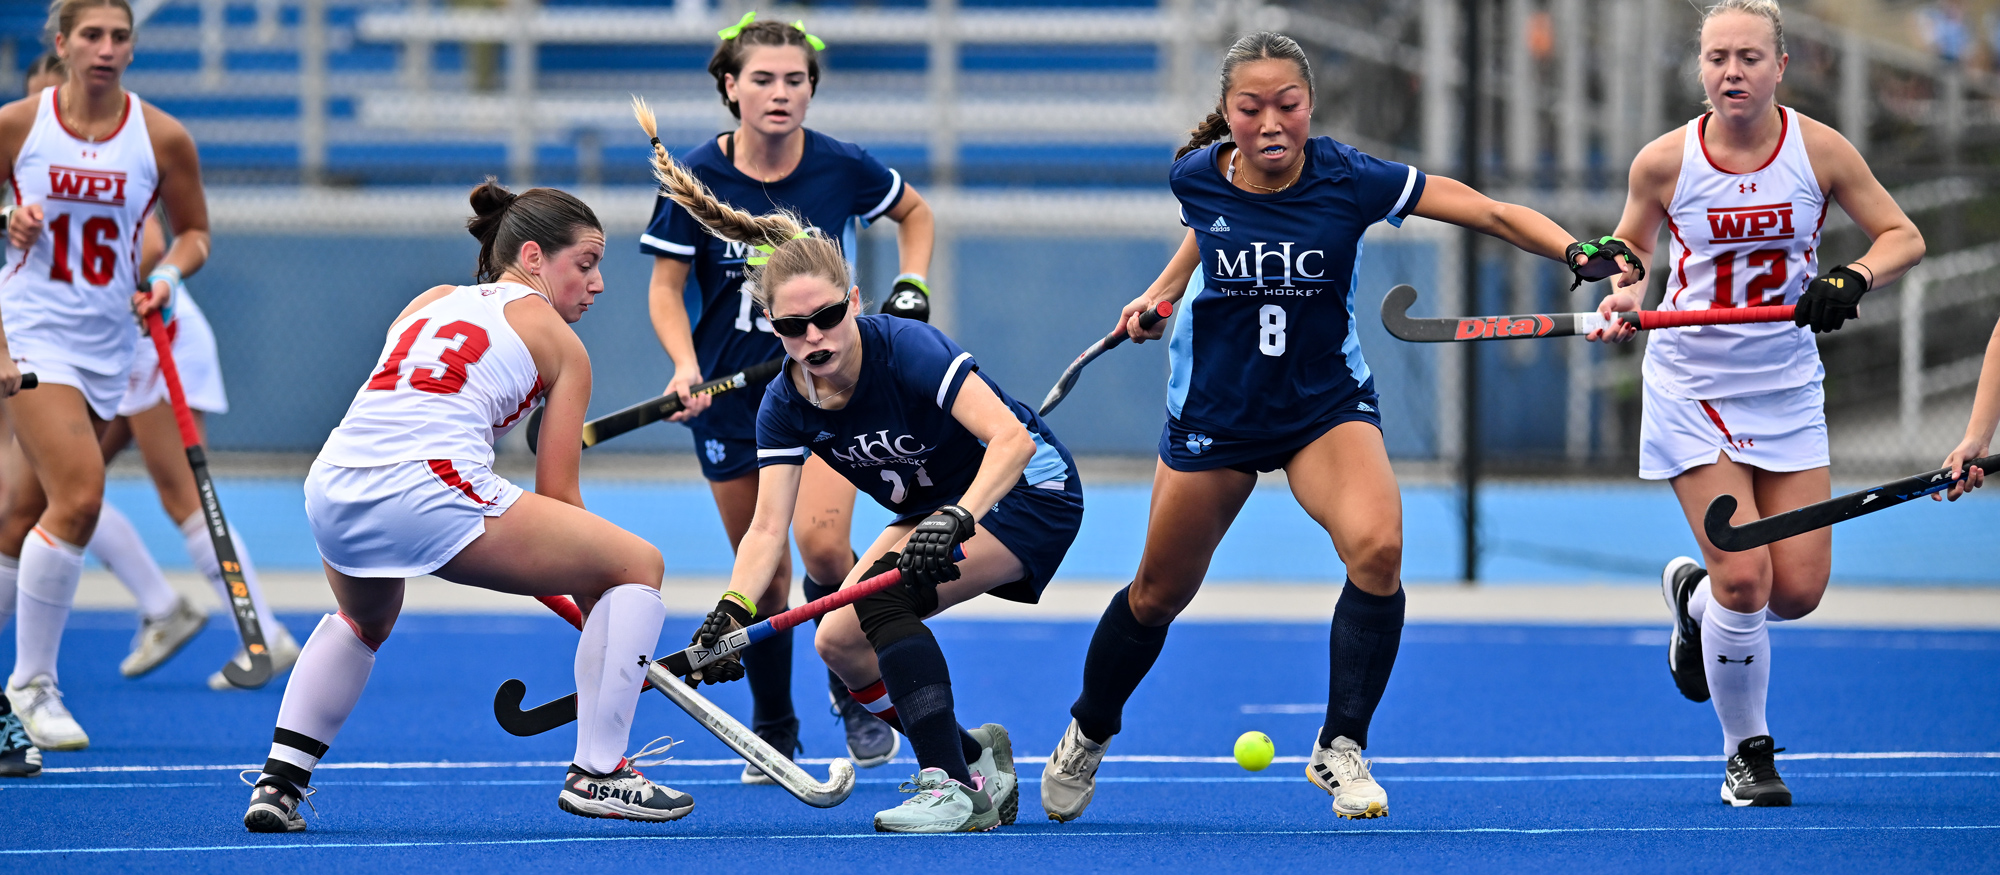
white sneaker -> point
(1070, 780)
(39, 705)
(1343, 774)
(940, 804)
(284, 654)
(158, 640)
(996, 766)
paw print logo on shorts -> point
(1198, 442)
(715, 451)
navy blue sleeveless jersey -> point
(896, 439)
(1265, 348)
(836, 188)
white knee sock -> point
(618, 640)
(50, 569)
(10, 575)
(333, 669)
(202, 550)
(1700, 599)
(1736, 652)
(116, 543)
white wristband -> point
(167, 273)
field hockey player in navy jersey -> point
(767, 73)
(986, 500)
(1267, 373)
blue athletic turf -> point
(141, 796)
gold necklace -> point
(1234, 165)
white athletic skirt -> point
(404, 519)
(101, 391)
(1778, 431)
(194, 355)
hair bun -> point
(490, 201)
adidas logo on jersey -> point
(1221, 226)
(823, 436)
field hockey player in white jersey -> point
(1738, 409)
(167, 620)
(405, 487)
(88, 160)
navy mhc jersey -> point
(836, 187)
(1266, 344)
(896, 439)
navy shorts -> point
(1037, 525)
(1188, 450)
(723, 456)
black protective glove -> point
(1831, 300)
(1602, 263)
(909, 298)
(926, 561)
(729, 615)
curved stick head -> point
(1396, 313)
(254, 677)
(1715, 523)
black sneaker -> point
(274, 806)
(1752, 777)
(1677, 584)
(622, 795)
(870, 740)
(19, 758)
(783, 738)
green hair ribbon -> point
(764, 253)
(819, 45)
(735, 30)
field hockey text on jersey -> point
(87, 186)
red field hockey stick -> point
(1446, 329)
(558, 712)
(259, 672)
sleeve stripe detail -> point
(1409, 184)
(664, 246)
(949, 373)
(799, 452)
(888, 200)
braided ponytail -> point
(794, 251)
(1211, 129)
(1262, 46)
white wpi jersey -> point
(453, 379)
(69, 296)
(1739, 240)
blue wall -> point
(302, 319)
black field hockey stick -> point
(29, 381)
(560, 712)
(754, 750)
(653, 410)
(1736, 539)
(1061, 389)
(1446, 329)
(259, 672)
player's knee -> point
(1156, 602)
(839, 643)
(74, 518)
(1741, 583)
(645, 566)
(1376, 560)
(889, 616)
(1793, 604)
(827, 555)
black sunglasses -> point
(795, 326)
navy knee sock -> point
(768, 665)
(919, 683)
(814, 592)
(1121, 652)
(1366, 632)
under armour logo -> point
(1751, 188)
(643, 661)
(1745, 660)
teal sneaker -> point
(939, 805)
(996, 766)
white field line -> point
(1151, 837)
(1133, 758)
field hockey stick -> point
(754, 750)
(653, 410)
(559, 712)
(1061, 389)
(1736, 539)
(252, 632)
(29, 381)
(1446, 329)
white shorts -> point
(194, 355)
(403, 519)
(1778, 431)
(101, 391)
